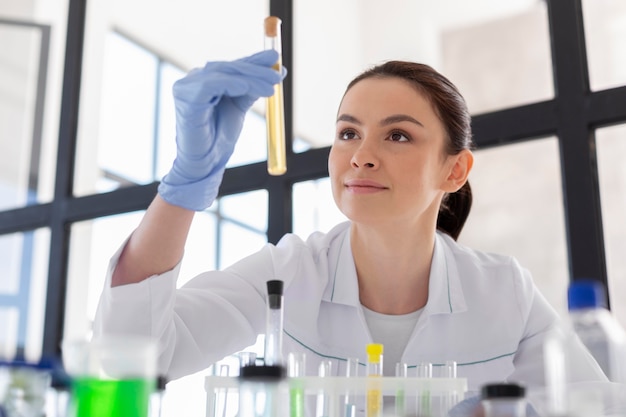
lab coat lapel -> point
(445, 294)
(343, 286)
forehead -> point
(391, 94)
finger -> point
(266, 58)
(219, 70)
(210, 89)
(247, 69)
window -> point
(518, 203)
(611, 144)
(554, 100)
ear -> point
(461, 166)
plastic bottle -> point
(504, 400)
(597, 328)
(263, 391)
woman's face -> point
(387, 162)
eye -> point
(398, 136)
(348, 134)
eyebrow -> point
(395, 118)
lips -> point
(364, 184)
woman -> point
(394, 274)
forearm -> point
(157, 244)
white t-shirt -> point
(393, 332)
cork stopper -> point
(272, 26)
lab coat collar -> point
(445, 293)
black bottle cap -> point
(275, 294)
(502, 390)
(268, 373)
(161, 382)
(275, 287)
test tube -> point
(555, 365)
(425, 371)
(274, 324)
(222, 397)
(352, 371)
(450, 398)
(275, 111)
(374, 371)
(323, 398)
(247, 359)
(296, 362)
(402, 371)
(8, 333)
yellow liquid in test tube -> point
(275, 111)
(374, 371)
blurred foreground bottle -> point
(597, 328)
(263, 391)
(503, 400)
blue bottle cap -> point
(586, 294)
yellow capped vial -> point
(374, 353)
(374, 401)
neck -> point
(393, 267)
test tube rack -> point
(440, 394)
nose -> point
(364, 156)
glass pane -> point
(611, 145)
(605, 36)
(166, 151)
(94, 242)
(249, 209)
(24, 56)
(127, 111)
(314, 208)
(201, 248)
(482, 46)
(243, 225)
(501, 61)
(24, 261)
(126, 132)
(505, 218)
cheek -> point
(334, 170)
(333, 162)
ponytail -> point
(453, 211)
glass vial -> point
(275, 111)
(374, 372)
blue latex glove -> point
(211, 104)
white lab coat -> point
(483, 311)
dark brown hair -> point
(451, 108)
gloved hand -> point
(211, 104)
